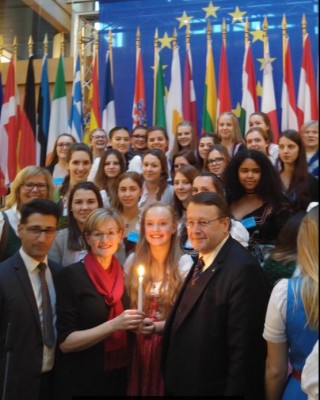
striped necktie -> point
(197, 271)
(47, 318)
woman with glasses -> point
(58, 162)
(93, 316)
(165, 267)
(69, 245)
(30, 183)
(217, 159)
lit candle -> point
(140, 288)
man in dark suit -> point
(213, 343)
(27, 307)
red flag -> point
(27, 140)
(94, 101)
(189, 105)
(139, 116)
(9, 128)
(224, 101)
(288, 100)
(307, 94)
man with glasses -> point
(213, 343)
(27, 307)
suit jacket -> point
(213, 341)
(18, 308)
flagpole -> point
(45, 45)
(246, 32)
(265, 35)
(284, 41)
(224, 32)
(14, 46)
(304, 28)
(110, 51)
(174, 40)
(30, 46)
(62, 44)
(156, 45)
(1, 52)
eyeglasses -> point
(112, 233)
(36, 231)
(217, 161)
(202, 223)
(42, 187)
(139, 137)
(63, 144)
(98, 137)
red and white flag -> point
(307, 93)
(189, 104)
(224, 101)
(268, 102)
(289, 118)
(139, 116)
(9, 130)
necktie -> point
(197, 271)
(47, 319)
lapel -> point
(24, 280)
(201, 285)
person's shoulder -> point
(7, 266)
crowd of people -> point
(130, 270)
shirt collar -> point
(210, 257)
(30, 263)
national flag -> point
(268, 102)
(159, 110)
(27, 138)
(289, 118)
(209, 116)
(224, 101)
(59, 110)
(139, 114)
(94, 100)
(76, 112)
(249, 102)
(189, 104)
(107, 103)
(174, 99)
(43, 111)
(9, 129)
(307, 93)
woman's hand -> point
(128, 319)
(147, 327)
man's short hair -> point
(212, 199)
(40, 206)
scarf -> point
(110, 284)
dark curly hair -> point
(269, 187)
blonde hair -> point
(32, 170)
(172, 279)
(308, 259)
(237, 138)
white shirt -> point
(210, 257)
(31, 266)
(310, 374)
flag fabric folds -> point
(224, 101)
(174, 99)
(249, 102)
(59, 110)
(307, 93)
(27, 138)
(139, 114)
(189, 102)
(107, 103)
(159, 111)
(43, 111)
(76, 112)
(268, 102)
(288, 99)
(209, 115)
(9, 129)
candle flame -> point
(141, 270)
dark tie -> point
(197, 271)
(47, 319)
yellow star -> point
(237, 15)
(165, 41)
(257, 35)
(184, 20)
(211, 10)
(163, 67)
(259, 89)
(237, 111)
(263, 62)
